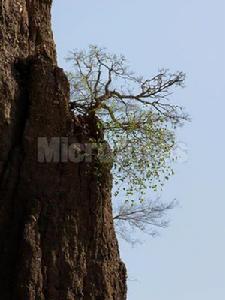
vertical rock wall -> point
(57, 240)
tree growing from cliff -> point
(138, 121)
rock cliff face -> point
(57, 240)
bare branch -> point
(144, 216)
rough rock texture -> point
(57, 240)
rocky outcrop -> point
(57, 239)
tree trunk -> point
(57, 240)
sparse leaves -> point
(138, 121)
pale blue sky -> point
(188, 261)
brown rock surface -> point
(57, 240)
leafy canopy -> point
(135, 114)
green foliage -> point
(135, 115)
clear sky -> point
(187, 262)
